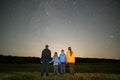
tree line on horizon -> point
(9, 59)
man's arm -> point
(41, 56)
(50, 55)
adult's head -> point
(46, 46)
(70, 49)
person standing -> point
(62, 62)
(45, 58)
(56, 62)
(70, 60)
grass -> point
(84, 71)
(77, 76)
(79, 68)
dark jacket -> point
(46, 54)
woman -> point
(70, 59)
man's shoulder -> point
(48, 50)
(45, 49)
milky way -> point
(90, 27)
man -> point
(45, 58)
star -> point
(74, 3)
(47, 13)
(112, 36)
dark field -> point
(84, 71)
(79, 68)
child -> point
(55, 61)
(62, 61)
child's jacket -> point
(62, 58)
(55, 60)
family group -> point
(63, 59)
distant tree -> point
(36, 60)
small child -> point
(62, 61)
(55, 61)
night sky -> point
(90, 27)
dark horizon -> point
(52, 57)
(36, 60)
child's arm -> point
(51, 61)
(58, 61)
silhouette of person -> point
(62, 62)
(70, 59)
(45, 58)
(56, 62)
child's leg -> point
(54, 69)
(61, 68)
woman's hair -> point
(55, 54)
(69, 48)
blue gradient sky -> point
(90, 27)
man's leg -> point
(47, 68)
(42, 69)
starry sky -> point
(90, 27)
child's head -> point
(62, 51)
(55, 54)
